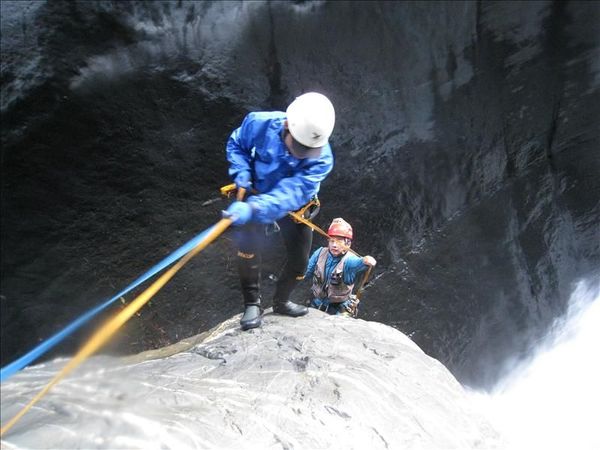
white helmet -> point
(311, 118)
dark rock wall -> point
(466, 143)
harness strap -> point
(321, 263)
(310, 210)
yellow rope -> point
(309, 224)
(241, 192)
(365, 278)
(106, 331)
(227, 191)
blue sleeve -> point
(312, 263)
(353, 267)
(240, 146)
(293, 192)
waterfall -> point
(551, 400)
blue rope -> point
(10, 369)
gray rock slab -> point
(313, 382)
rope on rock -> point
(112, 325)
(10, 369)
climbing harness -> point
(331, 287)
(308, 211)
(347, 308)
(332, 293)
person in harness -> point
(280, 158)
(334, 270)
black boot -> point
(249, 270)
(288, 308)
(281, 304)
(252, 317)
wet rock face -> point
(313, 382)
(466, 159)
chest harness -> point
(332, 288)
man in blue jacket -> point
(281, 158)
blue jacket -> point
(284, 182)
(352, 267)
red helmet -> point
(339, 227)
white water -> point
(553, 400)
